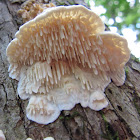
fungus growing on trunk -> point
(31, 8)
(49, 138)
(2, 137)
(29, 139)
(63, 57)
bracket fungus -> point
(47, 138)
(2, 137)
(29, 139)
(63, 57)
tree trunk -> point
(119, 121)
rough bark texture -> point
(119, 121)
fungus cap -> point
(49, 138)
(2, 137)
(29, 139)
(57, 26)
(64, 57)
(41, 110)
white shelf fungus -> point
(2, 137)
(49, 138)
(63, 57)
(29, 139)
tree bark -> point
(119, 121)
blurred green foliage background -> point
(123, 13)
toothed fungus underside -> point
(64, 57)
